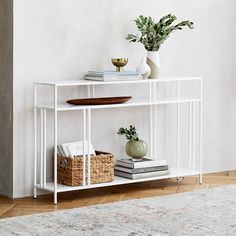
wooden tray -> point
(99, 101)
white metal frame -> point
(152, 102)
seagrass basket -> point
(70, 170)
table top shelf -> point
(81, 82)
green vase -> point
(136, 149)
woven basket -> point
(70, 170)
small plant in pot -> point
(152, 36)
(135, 147)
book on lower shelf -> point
(144, 162)
(141, 175)
(141, 170)
(144, 168)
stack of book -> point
(146, 168)
(75, 149)
(112, 75)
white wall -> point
(62, 39)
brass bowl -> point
(119, 63)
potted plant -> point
(152, 35)
(135, 147)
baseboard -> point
(10, 195)
(30, 194)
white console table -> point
(40, 180)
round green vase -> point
(136, 149)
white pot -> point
(144, 69)
(153, 61)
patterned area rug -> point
(205, 212)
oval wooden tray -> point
(99, 101)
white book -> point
(62, 152)
(141, 170)
(65, 150)
(142, 175)
(76, 148)
(112, 76)
(59, 151)
(145, 162)
(120, 78)
(112, 73)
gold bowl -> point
(119, 63)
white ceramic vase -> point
(143, 69)
(153, 61)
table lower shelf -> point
(118, 181)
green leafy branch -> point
(130, 134)
(154, 34)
